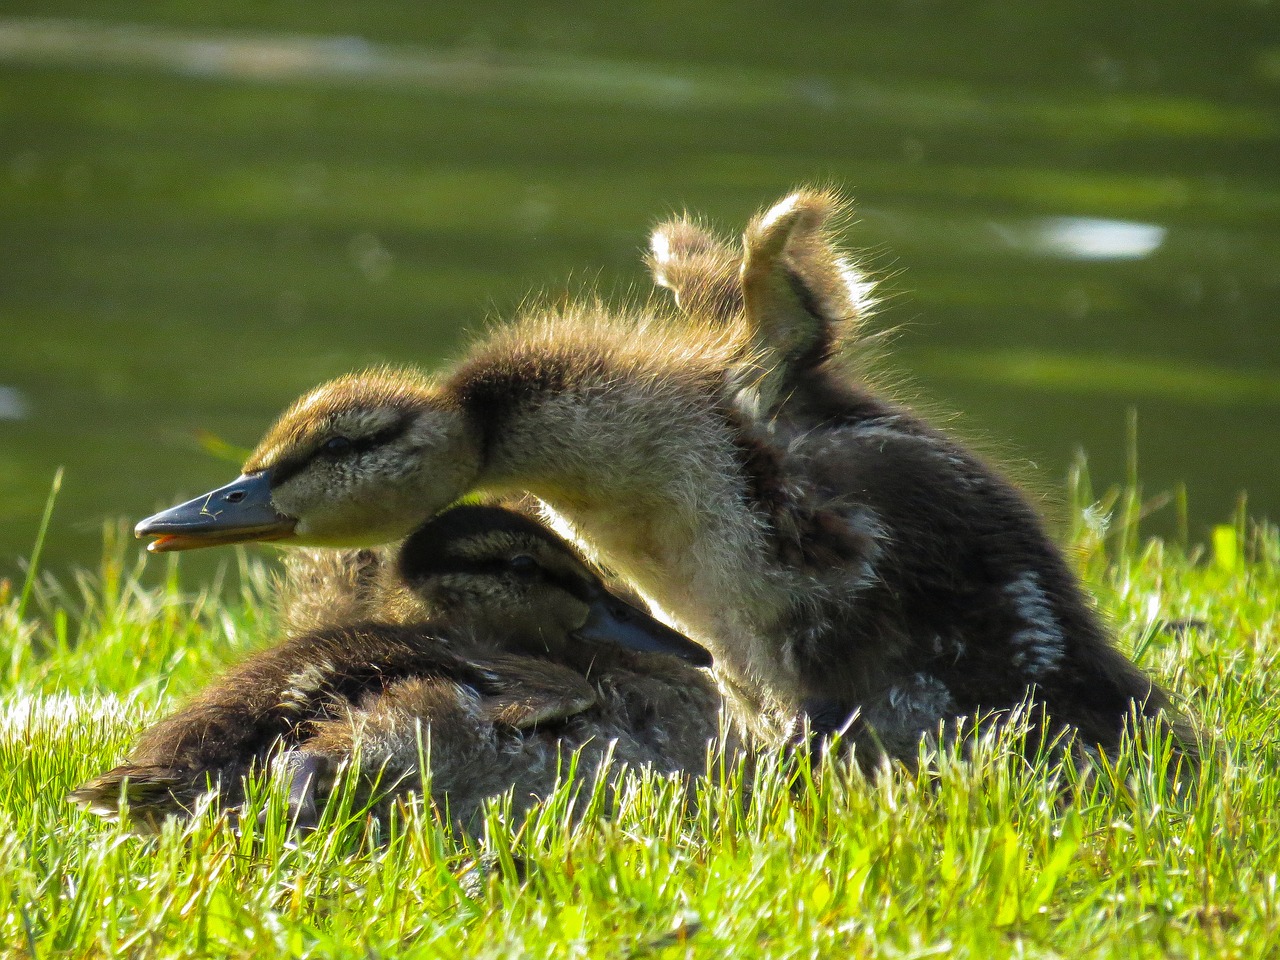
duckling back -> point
(274, 699)
(536, 724)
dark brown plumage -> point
(519, 666)
(966, 595)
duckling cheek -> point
(331, 511)
(529, 625)
(547, 613)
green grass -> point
(980, 858)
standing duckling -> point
(841, 558)
(526, 658)
(966, 583)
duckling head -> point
(501, 576)
(358, 460)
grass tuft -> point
(981, 856)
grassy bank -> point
(983, 858)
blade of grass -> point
(34, 566)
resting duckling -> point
(526, 659)
(840, 557)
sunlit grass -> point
(979, 857)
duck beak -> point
(612, 620)
(239, 512)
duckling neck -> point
(643, 464)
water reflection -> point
(13, 404)
(924, 104)
(295, 58)
(196, 224)
(1085, 238)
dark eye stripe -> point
(292, 466)
(438, 565)
(574, 586)
(430, 550)
(288, 467)
(386, 435)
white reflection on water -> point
(1085, 238)
(278, 58)
(13, 404)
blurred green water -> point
(205, 209)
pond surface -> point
(207, 208)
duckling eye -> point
(523, 565)
(336, 445)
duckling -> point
(797, 300)
(841, 558)
(526, 658)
